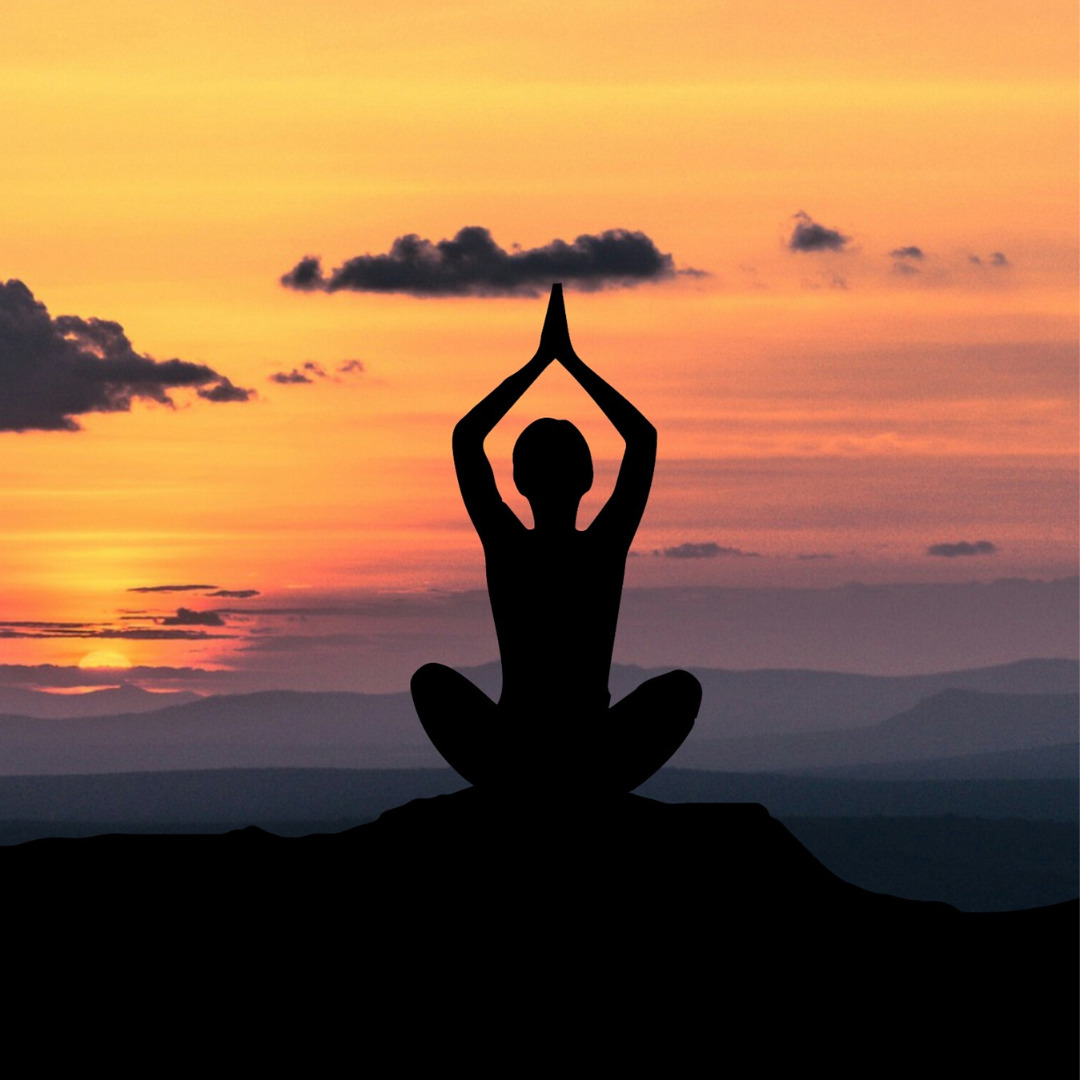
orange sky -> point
(164, 165)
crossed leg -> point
(613, 753)
(459, 718)
(648, 726)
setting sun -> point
(104, 658)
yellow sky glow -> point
(166, 164)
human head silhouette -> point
(552, 461)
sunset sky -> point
(861, 357)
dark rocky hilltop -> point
(634, 929)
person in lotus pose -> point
(555, 592)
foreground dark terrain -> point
(627, 928)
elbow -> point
(466, 435)
(462, 431)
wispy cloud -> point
(995, 258)
(962, 548)
(171, 588)
(308, 373)
(54, 675)
(708, 550)
(187, 617)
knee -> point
(683, 688)
(428, 678)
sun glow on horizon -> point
(105, 660)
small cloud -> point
(55, 369)
(306, 373)
(472, 264)
(187, 617)
(903, 257)
(235, 594)
(350, 367)
(305, 276)
(286, 378)
(807, 556)
(808, 235)
(225, 391)
(961, 548)
(995, 258)
(171, 588)
(703, 551)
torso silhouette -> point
(555, 602)
(555, 593)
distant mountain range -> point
(750, 721)
(951, 724)
(110, 701)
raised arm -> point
(623, 510)
(475, 478)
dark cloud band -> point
(472, 264)
(961, 548)
(186, 617)
(170, 588)
(707, 550)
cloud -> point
(309, 373)
(171, 588)
(187, 617)
(235, 594)
(808, 235)
(305, 275)
(962, 547)
(84, 630)
(703, 551)
(285, 378)
(997, 258)
(225, 391)
(52, 370)
(472, 264)
(904, 256)
(350, 367)
(39, 675)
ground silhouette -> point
(468, 925)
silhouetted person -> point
(555, 595)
